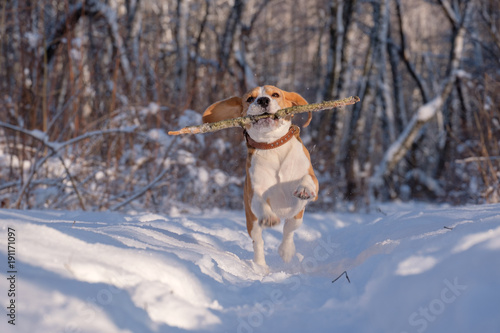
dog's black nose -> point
(263, 101)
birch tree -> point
(233, 23)
(427, 111)
(374, 62)
(340, 25)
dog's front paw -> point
(304, 193)
(269, 221)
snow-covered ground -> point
(110, 272)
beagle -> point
(280, 180)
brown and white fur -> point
(279, 181)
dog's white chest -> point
(277, 173)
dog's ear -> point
(222, 110)
(296, 99)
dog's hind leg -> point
(255, 232)
(287, 247)
(258, 245)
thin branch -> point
(149, 186)
(346, 276)
(42, 137)
(55, 147)
(243, 121)
(477, 159)
(36, 167)
(405, 55)
(450, 13)
(72, 180)
(491, 28)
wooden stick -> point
(243, 121)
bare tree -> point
(426, 112)
(340, 26)
(374, 61)
(426, 72)
(233, 22)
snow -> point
(33, 38)
(429, 110)
(147, 272)
(189, 118)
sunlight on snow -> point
(492, 237)
(416, 265)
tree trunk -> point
(341, 17)
(91, 8)
(373, 59)
(247, 77)
(192, 65)
(227, 40)
(181, 39)
(397, 84)
(423, 115)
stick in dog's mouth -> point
(246, 120)
(266, 118)
(263, 116)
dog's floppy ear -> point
(222, 110)
(296, 99)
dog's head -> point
(260, 100)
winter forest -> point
(89, 89)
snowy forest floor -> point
(412, 268)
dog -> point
(280, 179)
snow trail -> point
(110, 272)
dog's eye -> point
(250, 99)
(276, 95)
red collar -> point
(293, 131)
